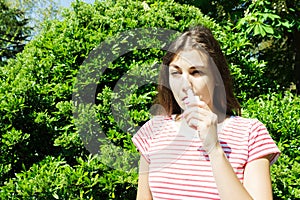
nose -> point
(186, 84)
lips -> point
(185, 100)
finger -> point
(194, 123)
(205, 119)
(200, 104)
(196, 111)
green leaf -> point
(287, 24)
(261, 30)
(269, 15)
(55, 195)
(257, 29)
(268, 29)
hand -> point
(200, 117)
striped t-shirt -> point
(179, 170)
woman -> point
(199, 147)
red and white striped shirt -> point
(178, 170)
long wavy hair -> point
(199, 38)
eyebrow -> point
(175, 66)
(191, 67)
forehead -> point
(188, 58)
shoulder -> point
(155, 123)
(157, 120)
(160, 118)
(144, 136)
(239, 119)
(249, 123)
(245, 127)
(252, 134)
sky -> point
(67, 3)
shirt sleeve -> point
(261, 144)
(142, 139)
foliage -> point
(37, 11)
(51, 121)
(273, 29)
(14, 31)
(54, 178)
(262, 19)
(37, 124)
(281, 114)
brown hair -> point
(200, 38)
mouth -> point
(185, 100)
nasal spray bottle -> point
(194, 98)
(191, 98)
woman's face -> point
(192, 69)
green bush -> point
(281, 114)
(36, 106)
(54, 178)
(41, 141)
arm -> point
(228, 184)
(257, 179)
(143, 192)
(257, 183)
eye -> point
(196, 72)
(175, 72)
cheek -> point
(174, 85)
(205, 89)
